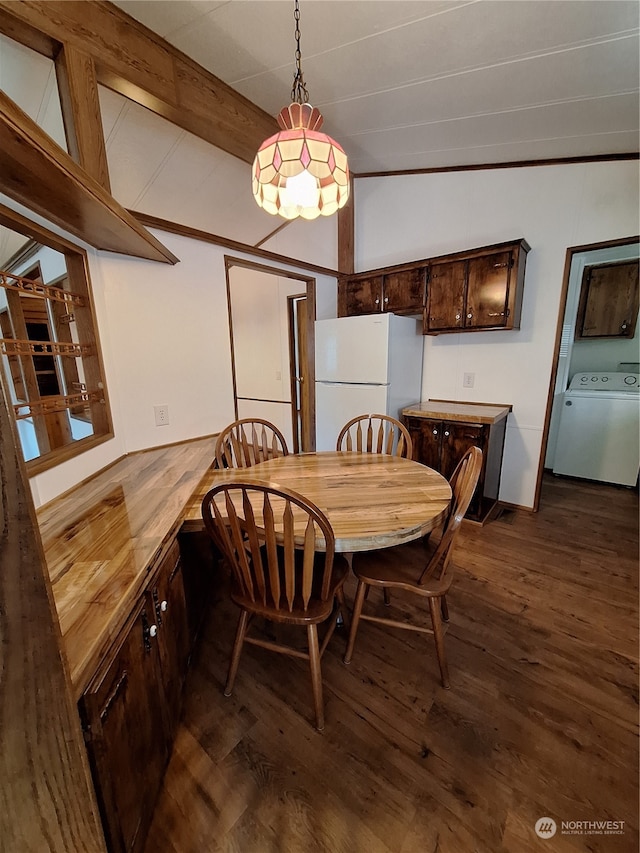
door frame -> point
(308, 289)
(570, 253)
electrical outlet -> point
(468, 379)
(162, 415)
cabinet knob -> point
(458, 316)
(163, 606)
(153, 630)
(469, 316)
(377, 302)
(623, 326)
(435, 432)
(386, 299)
(446, 432)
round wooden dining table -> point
(372, 500)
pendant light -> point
(300, 171)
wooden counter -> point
(102, 537)
(447, 410)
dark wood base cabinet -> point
(132, 706)
(442, 432)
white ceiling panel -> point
(29, 79)
(137, 146)
(158, 169)
(396, 67)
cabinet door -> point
(426, 438)
(360, 296)
(170, 612)
(122, 712)
(608, 301)
(457, 438)
(404, 292)
(488, 291)
(445, 296)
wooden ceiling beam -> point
(78, 88)
(137, 63)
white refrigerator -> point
(371, 364)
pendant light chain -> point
(299, 92)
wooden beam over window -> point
(132, 60)
(36, 172)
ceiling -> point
(419, 84)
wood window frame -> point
(79, 282)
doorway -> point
(566, 360)
(271, 325)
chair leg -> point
(444, 608)
(343, 607)
(355, 618)
(316, 676)
(387, 596)
(243, 621)
(438, 635)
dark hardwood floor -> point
(541, 718)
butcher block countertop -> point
(447, 410)
(102, 538)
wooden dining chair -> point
(269, 538)
(247, 441)
(375, 434)
(423, 567)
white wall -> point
(164, 333)
(553, 207)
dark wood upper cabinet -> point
(403, 291)
(474, 290)
(359, 295)
(445, 302)
(488, 290)
(398, 290)
(608, 306)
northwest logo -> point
(545, 827)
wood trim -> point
(48, 800)
(346, 235)
(516, 164)
(310, 303)
(77, 273)
(137, 63)
(78, 89)
(274, 232)
(234, 245)
(40, 175)
(573, 250)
